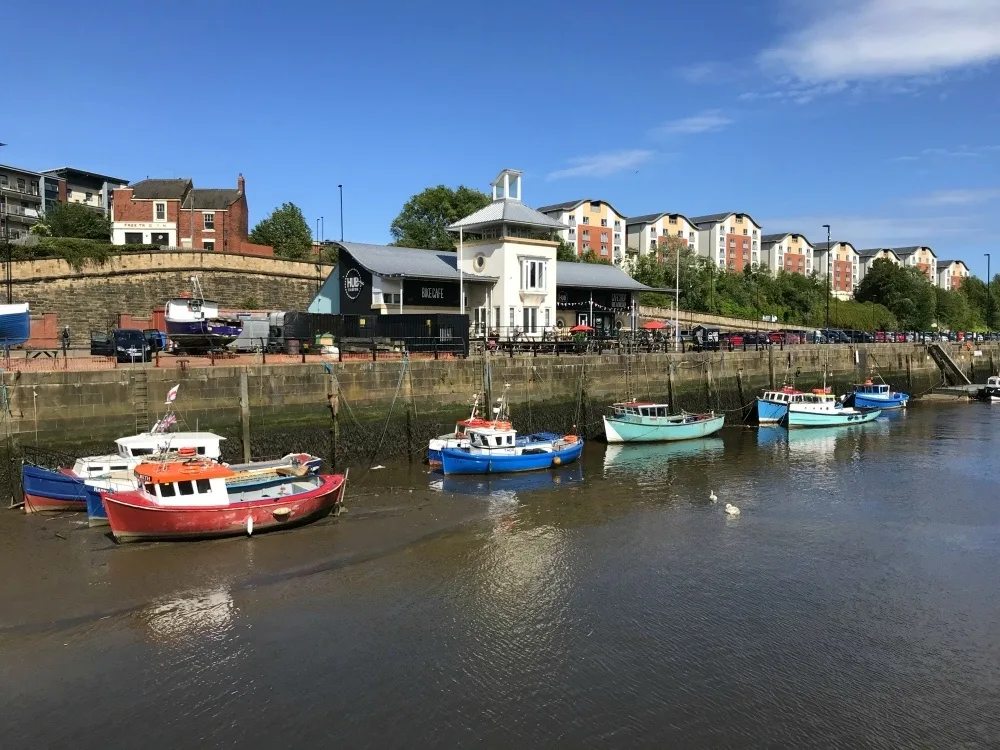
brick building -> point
(729, 240)
(592, 226)
(175, 213)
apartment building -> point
(844, 265)
(21, 200)
(176, 214)
(592, 225)
(951, 273)
(88, 188)
(919, 256)
(868, 256)
(643, 233)
(729, 240)
(788, 252)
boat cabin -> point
(873, 389)
(205, 444)
(784, 396)
(100, 466)
(820, 401)
(197, 482)
(496, 439)
(993, 380)
(634, 411)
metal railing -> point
(31, 213)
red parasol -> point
(581, 329)
(655, 325)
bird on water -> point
(712, 497)
(732, 510)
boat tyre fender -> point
(556, 460)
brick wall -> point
(128, 209)
(136, 283)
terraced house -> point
(951, 273)
(919, 256)
(592, 225)
(729, 240)
(788, 252)
(843, 264)
(643, 233)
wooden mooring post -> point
(333, 400)
(245, 413)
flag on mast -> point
(172, 394)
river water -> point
(852, 604)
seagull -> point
(712, 496)
(732, 510)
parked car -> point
(124, 344)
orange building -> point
(729, 240)
(919, 256)
(951, 273)
(593, 225)
(842, 263)
(788, 252)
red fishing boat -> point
(200, 499)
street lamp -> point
(829, 275)
(341, 189)
(988, 300)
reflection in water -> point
(205, 614)
(507, 484)
(630, 457)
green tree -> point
(904, 291)
(566, 252)
(591, 257)
(74, 220)
(424, 220)
(286, 230)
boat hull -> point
(455, 461)
(836, 418)
(202, 334)
(134, 518)
(46, 490)
(869, 401)
(770, 412)
(623, 431)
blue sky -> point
(880, 117)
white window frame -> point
(156, 206)
(541, 272)
(205, 243)
(206, 216)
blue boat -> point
(823, 410)
(494, 449)
(195, 325)
(870, 395)
(15, 324)
(773, 405)
(637, 422)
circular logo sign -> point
(353, 283)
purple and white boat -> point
(194, 324)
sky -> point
(879, 117)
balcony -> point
(30, 214)
(15, 190)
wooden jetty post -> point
(245, 413)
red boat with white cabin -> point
(202, 499)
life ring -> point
(185, 452)
(570, 438)
(503, 425)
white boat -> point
(821, 409)
(991, 392)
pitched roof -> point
(903, 252)
(716, 218)
(507, 211)
(781, 235)
(570, 205)
(872, 251)
(949, 262)
(164, 189)
(211, 198)
(650, 218)
(65, 171)
(409, 262)
(595, 275)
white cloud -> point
(960, 152)
(960, 197)
(700, 72)
(602, 165)
(705, 122)
(866, 39)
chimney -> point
(241, 183)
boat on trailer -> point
(869, 395)
(194, 324)
(822, 409)
(773, 405)
(198, 499)
(642, 422)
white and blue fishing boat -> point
(494, 449)
(15, 324)
(773, 405)
(194, 324)
(869, 395)
(821, 409)
(641, 422)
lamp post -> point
(829, 275)
(989, 302)
(341, 189)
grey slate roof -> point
(903, 252)
(873, 251)
(949, 262)
(644, 219)
(388, 261)
(507, 211)
(163, 189)
(211, 198)
(780, 236)
(715, 218)
(595, 275)
(570, 205)
(68, 171)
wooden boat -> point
(193, 500)
(869, 395)
(640, 422)
(259, 474)
(773, 405)
(821, 409)
(64, 489)
(494, 449)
